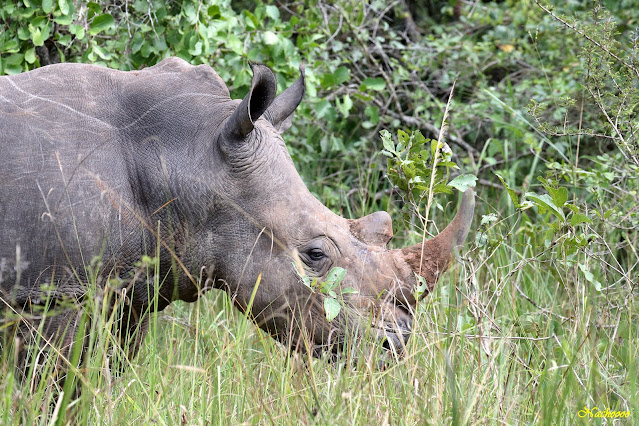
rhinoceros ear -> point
(255, 103)
(280, 113)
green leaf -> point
(46, 30)
(341, 75)
(488, 218)
(47, 6)
(251, 20)
(511, 193)
(23, 33)
(333, 279)
(100, 23)
(234, 44)
(448, 164)
(421, 286)
(403, 138)
(336, 275)
(12, 69)
(572, 207)
(559, 195)
(96, 8)
(11, 46)
(544, 201)
(331, 308)
(376, 84)
(419, 138)
(387, 140)
(306, 280)
(441, 189)
(463, 182)
(213, 12)
(327, 80)
(345, 105)
(373, 113)
(64, 6)
(38, 21)
(578, 218)
(64, 19)
(77, 30)
(36, 36)
(270, 38)
(101, 52)
(190, 12)
(30, 56)
(196, 50)
(434, 146)
(322, 108)
(272, 12)
(15, 59)
(590, 277)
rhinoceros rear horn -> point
(255, 103)
(431, 258)
(280, 113)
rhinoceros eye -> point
(316, 254)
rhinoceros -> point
(100, 167)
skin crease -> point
(164, 158)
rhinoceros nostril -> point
(386, 344)
(406, 336)
(403, 329)
(395, 342)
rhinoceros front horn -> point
(431, 258)
(255, 103)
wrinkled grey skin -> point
(98, 163)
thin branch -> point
(587, 37)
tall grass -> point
(501, 340)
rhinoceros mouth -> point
(387, 338)
(387, 325)
(393, 340)
(380, 346)
(392, 326)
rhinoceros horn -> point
(255, 103)
(432, 257)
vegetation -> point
(536, 324)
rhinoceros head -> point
(267, 231)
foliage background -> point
(538, 322)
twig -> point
(587, 37)
(418, 122)
(440, 140)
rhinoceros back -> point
(60, 173)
